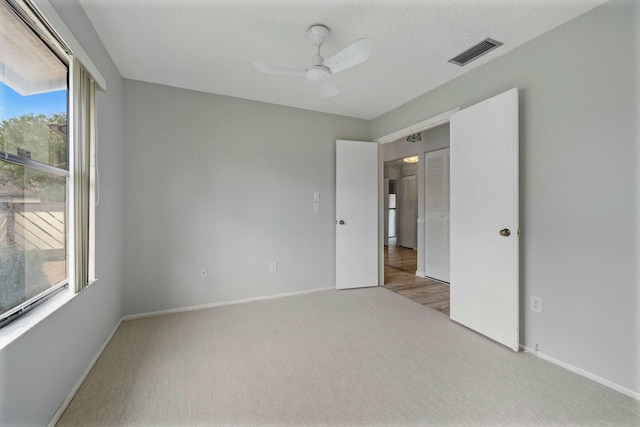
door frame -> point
(431, 122)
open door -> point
(356, 214)
(484, 218)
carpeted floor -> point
(356, 357)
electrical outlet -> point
(316, 207)
(273, 267)
(203, 273)
(535, 304)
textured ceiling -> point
(210, 45)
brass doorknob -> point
(505, 232)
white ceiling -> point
(210, 45)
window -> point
(46, 140)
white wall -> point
(578, 183)
(226, 184)
(40, 369)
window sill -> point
(26, 322)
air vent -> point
(474, 52)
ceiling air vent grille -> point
(474, 52)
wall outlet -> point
(535, 304)
(203, 273)
(316, 207)
(273, 267)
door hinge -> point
(518, 231)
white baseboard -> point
(65, 403)
(422, 274)
(74, 390)
(582, 372)
(219, 304)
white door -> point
(356, 214)
(385, 210)
(436, 175)
(408, 212)
(484, 218)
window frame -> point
(80, 176)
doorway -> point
(484, 251)
(423, 290)
(404, 224)
(401, 202)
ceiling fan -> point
(321, 70)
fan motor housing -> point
(317, 74)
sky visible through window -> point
(12, 104)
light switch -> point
(316, 196)
(316, 207)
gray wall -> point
(226, 184)
(39, 369)
(578, 183)
(436, 138)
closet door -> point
(385, 209)
(437, 215)
(408, 211)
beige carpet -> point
(358, 357)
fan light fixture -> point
(321, 71)
(318, 75)
(414, 138)
(412, 159)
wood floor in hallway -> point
(400, 265)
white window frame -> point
(82, 127)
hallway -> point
(400, 265)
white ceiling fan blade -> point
(278, 70)
(327, 89)
(351, 55)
